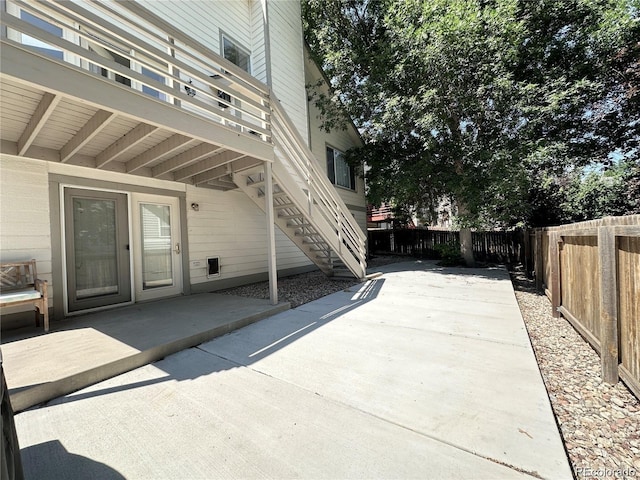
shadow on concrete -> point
(89, 348)
(51, 461)
(283, 331)
(408, 265)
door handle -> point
(177, 249)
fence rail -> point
(496, 247)
(591, 273)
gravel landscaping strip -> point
(599, 423)
(306, 287)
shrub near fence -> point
(496, 247)
(591, 273)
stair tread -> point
(315, 243)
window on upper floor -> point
(155, 76)
(110, 55)
(38, 44)
(339, 172)
(236, 54)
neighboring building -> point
(142, 143)
(446, 213)
(379, 218)
(384, 218)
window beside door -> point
(157, 260)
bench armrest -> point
(41, 286)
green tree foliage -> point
(494, 103)
(586, 193)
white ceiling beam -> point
(90, 129)
(185, 158)
(163, 149)
(215, 173)
(38, 120)
(207, 164)
(124, 143)
(221, 184)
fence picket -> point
(598, 288)
(494, 247)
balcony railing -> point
(127, 44)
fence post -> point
(538, 260)
(526, 252)
(608, 304)
(554, 254)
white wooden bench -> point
(20, 285)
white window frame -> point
(15, 10)
(338, 155)
(239, 47)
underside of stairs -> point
(306, 206)
(312, 235)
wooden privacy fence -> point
(499, 247)
(591, 273)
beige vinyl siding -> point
(258, 59)
(231, 226)
(227, 224)
(287, 60)
(361, 219)
(203, 19)
(24, 216)
(338, 139)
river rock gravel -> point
(305, 287)
(599, 423)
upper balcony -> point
(111, 85)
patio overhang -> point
(73, 110)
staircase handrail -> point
(303, 161)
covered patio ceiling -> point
(39, 124)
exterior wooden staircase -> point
(307, 208)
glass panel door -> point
(155, 225)
(97, 249)
(157, 249)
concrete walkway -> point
(421, 373)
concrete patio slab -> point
(84, 350)
(372, 382)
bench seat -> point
(19, 285)
(18, 296)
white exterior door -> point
(157, 249)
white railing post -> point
(339, 216)
(271, 234)
(309, 196)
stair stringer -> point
(311, 213)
